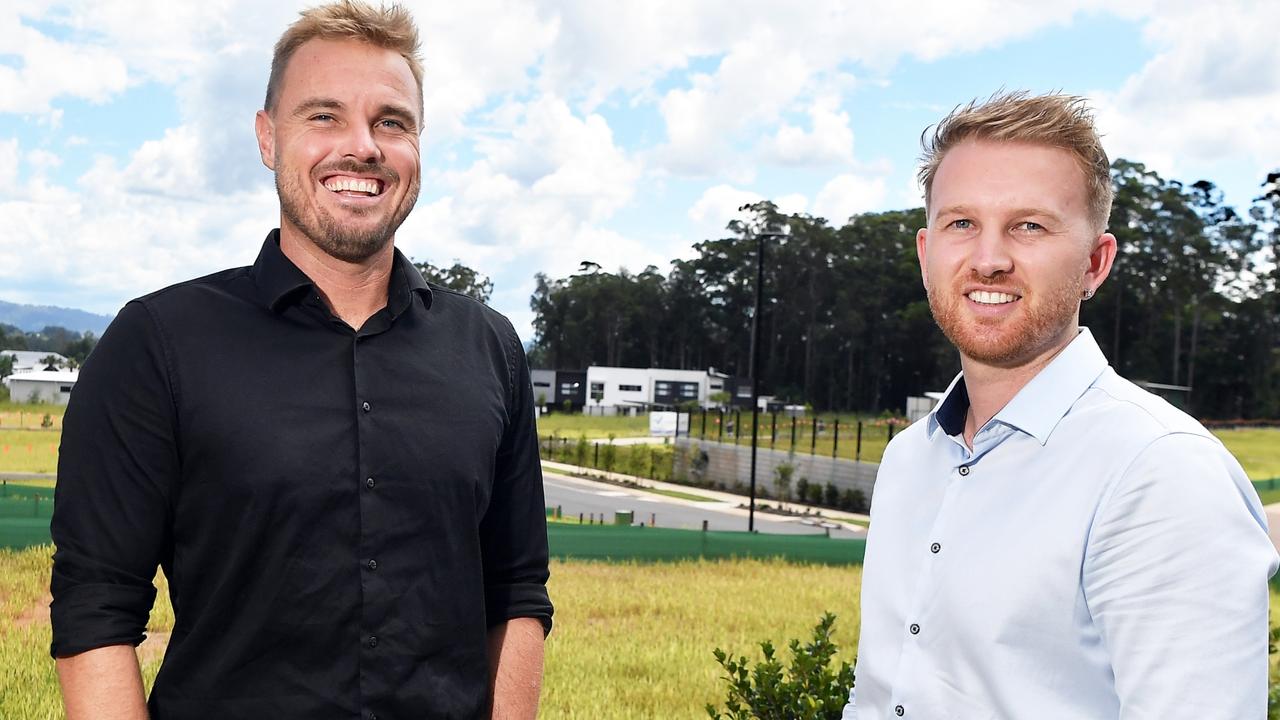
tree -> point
(459, 278)
(6, 365)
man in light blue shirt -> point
(1052, 541)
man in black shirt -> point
(335, 464)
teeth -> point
(339, 184)
(991, 298)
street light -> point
(773, 230)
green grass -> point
(25, 415)
(592, 426)
(680, 495)
(613, 655)
(1257, 449)
(29, 451)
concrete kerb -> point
(726, 501)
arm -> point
(110, 516)
(515, 668)
(102, 684)
(1175, 578)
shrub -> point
(813, 494)
(810, 689)
(782, 481)
(831, 496)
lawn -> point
(1257, 449)
(592, 426)
(630, 641)
(29, 450)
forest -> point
(1193, 300)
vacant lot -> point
(630, 641)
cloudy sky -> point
(620, 132)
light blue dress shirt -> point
(1098, 554)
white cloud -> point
(48, 69)
(10, 155)
(847, 195)
(1211, 91)
(828, 142)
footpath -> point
(729, 502)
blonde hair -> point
(1056, 120)
(388, 27)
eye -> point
(961, 224)
(321, 117)
(392, 124)
(1028, 226)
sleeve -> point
(1175, 578)
(513, 533)
(116, 467)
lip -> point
(985, 310)
(355, 199)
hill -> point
(33, 318)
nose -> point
(360, 144)
(991, 255)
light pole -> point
(772, 230)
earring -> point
(1086, 294)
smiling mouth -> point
(986, 297)
(354, 187)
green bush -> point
(810, 689)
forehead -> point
(347, 70)
(994, 175)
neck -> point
(352, 291)
(991, 387)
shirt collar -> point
(280, 282)
(1041, 403)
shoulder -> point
(1128, 419)
(907, 443)
(200, 294)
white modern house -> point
(46, 386)
(626, 391)
(28, 360)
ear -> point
(1101, 258)
(265, 128)
(922, 235)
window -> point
(597, 391)
(662, 388)
(744, 391)
(65, 388)
(571, 388)
(717, 386)
(688, 390)
(630, 388)
(542, 384)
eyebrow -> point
(1020, 212)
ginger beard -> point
(347, 242)
(1044, 317)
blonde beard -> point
(1008, 343)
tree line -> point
(1193, 300)
(73, 345)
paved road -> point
(575, 495)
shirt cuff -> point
(517, 600)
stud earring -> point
(1086, 294)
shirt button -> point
(372, 564)
(366, 406)
(369, 483)
(935, 548)
(964, 469)
(899, 711)
(915, 629)
(372, 641)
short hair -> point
(1056, 120)
(389, 27)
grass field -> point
(34, 449)
(630, 641)
(29, 450)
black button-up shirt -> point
(341, 514)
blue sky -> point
(620, 132)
